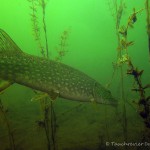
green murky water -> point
(82, 34)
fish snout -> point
(104, 96)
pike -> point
(48, 76)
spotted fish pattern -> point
(47, 75)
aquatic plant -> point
(124, 58)
(143, 102)
(61, 48)
(43, 6)
(48, 121)
(116, 11)
(44, 101)
(117, 7)
(144, 109)
(34, 6)
(147, 5)
(121, 58)
(3, 117)
(123, 45)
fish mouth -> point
(112, 101)
(104, 96)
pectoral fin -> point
(53, 94)
(4, 85)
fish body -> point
(47, 75)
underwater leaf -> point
(33, 15)
(42, 3)
(39, 96)
(123, 31)
(136, 90)
(140, 72)
(148, 98)
(124, 59)
(146, 86)
(61, 48)
(33, 8)
(133, 18)
(129, 43)
(125, 44)
(135, 72)
(130, 24)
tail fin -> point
(6, 43)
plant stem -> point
(148, 23)
(120, 10)
(44, 27)
(11, 137)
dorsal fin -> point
(6, 43)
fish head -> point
(103, 95)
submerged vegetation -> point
(4, 119)
(124, 58)
(48, 123)
(48, 120)
(147, 5)
(61, 49)
(37, 30)
(121, 58)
